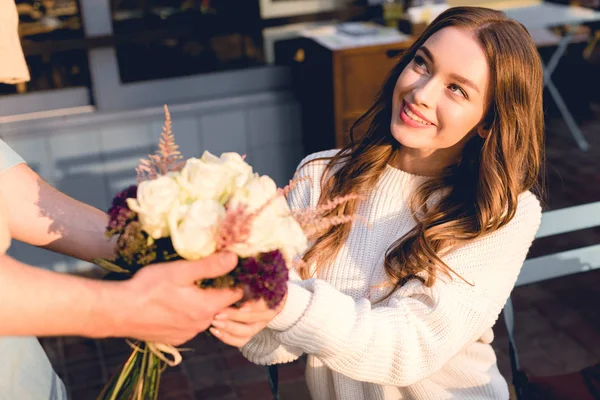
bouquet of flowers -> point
(189, 210)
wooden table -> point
(335, 86)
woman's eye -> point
(420, 61)
(457, 90)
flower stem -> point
(116, 384)
(139, 391)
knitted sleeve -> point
(264, 348)
(420, 328)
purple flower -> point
(120, 214)
(122, 196)
(264, 277)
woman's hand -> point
(236, 327)
(163, 304)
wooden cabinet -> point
(335, 87)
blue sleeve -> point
(8, 157)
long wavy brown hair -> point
(474, 196)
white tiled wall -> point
(91, 161)
(225, 131)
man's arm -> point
(161, 303)
(40, 302)
(42, 216)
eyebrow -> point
(461, 79)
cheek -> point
(454, 114)
(458, 120)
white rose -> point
(257, 192)
(241, 170)
(291, 238)
(205, 180)
(270, 232)
(154, 200)
(261, 238)
(273, 228)
(194, 228)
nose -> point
(424, 93)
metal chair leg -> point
(587, 53)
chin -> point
(409, 138)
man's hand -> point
(162, 304)
(236, 327)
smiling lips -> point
(412, 117)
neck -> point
(419, 162)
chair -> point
(579, 385)
(589, 49)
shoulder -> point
(519, 232)
(314, 164)
(524, 224)
(499, 255)
(529, 211)
(320, 158)
(307, 187)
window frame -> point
(45, 101)
(111, 94)
(108, 93)
(49, 100)
(278, 9)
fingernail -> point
(218, 324)
(221, 316)
(215, 332)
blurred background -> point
(277, 80)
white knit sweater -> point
(421, 343)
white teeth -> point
(414, 117)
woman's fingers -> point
(236, 326)
(229, 339)
(234, 333)
(237, 329)
(246, 315)
(237, 316)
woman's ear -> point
(483, 131)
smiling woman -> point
(404, 308)
(436, 109)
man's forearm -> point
(44, 303)
(42, 216)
